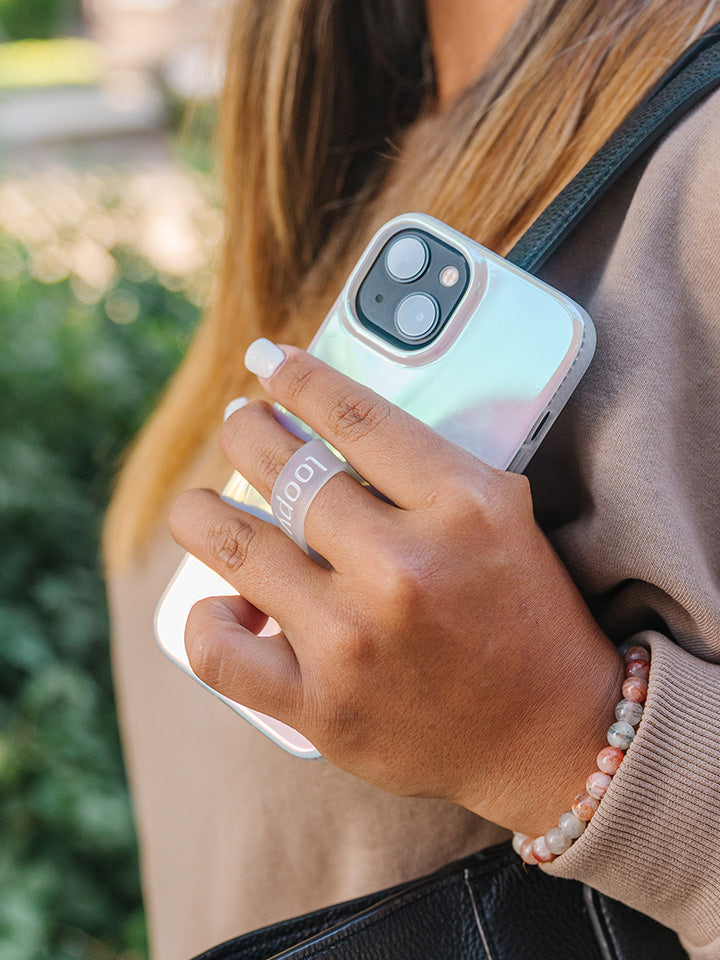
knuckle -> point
(358, 647)
(228, 542)
(298, 377)
(492, 510)
(224, 671)
(480, 504)
(403, 583)
(200, 645)
(210, 662)
(357, 417)
(270, 461)
(357, 639)
(463, 498)
(479, 518)
(345, 718)
(337, 713)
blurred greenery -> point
(38, 18)
(42, 63)
(77, 376)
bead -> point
(517, 841)
(637, 653)
(526, 851)
(637, 668)
(584, 806)
(635, 688)
(597, 784)
(620, 735)
(556, 841)
(570, 826)
(541, 852)
(610, 758)
(629, 711)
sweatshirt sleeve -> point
(654, 842)
(637, 520)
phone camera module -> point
(407, 258)
(412, 288)
(416, 316)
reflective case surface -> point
(487, 360)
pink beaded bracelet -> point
(573, 822)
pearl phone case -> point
(492, 376)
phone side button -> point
(538, 427)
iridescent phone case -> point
(493, 381)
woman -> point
(337, 117)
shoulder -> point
(667, 217)
(679, 190)
(694, 141)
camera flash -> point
(449, 276)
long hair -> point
(328, 128)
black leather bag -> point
(490, 906)
(485, 907)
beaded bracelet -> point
(572, 823)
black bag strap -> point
(690, 78)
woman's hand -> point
(447, 652)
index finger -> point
(387, 446)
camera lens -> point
(416, 316)
(406, 258)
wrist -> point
(546, 845)
(587, 714)
(563, 730)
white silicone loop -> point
(300, 480)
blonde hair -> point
(327, 130)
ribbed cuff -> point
(654, 842)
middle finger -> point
(259, 447)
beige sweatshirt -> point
(235, 833)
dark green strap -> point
(692, 77)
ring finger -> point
(254, 556)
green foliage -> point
(45, 63)
(74, 386)
(37, 18)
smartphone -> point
(483, 352)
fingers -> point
(253, 556)
(259, 447)
(262, 673)
(387, 446)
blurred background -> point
(109, 224)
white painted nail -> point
(237, 404)
(263, 358)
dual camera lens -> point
(412, 288)
(406, 260)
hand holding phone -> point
(469, 344)
(444, 651)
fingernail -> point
(237, 404)
(263, 358)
